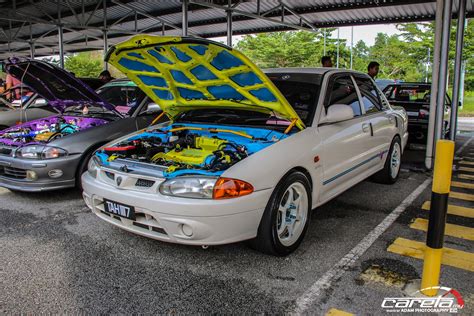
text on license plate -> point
(119, 209)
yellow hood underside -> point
(182, 73)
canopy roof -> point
(27, 22)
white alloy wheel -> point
(395, 160)
(292, 214)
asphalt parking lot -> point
(57, 257)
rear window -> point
(408, 94)
(301, 91)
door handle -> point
(365, 127)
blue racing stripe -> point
(353, 168)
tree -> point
(85, 64)
(291, 49)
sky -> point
(367, 33)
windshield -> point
(301, 90)
(125, 97)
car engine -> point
(47, 130)
(185, 149)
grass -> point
(468, 108)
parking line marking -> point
(337, 312)
(415, 249)
(452, 230)
(464, 185)
(467, 169)
(311, 294)
(465, 176)
(465, 162)
(453, 210)
(461, 196)
(464, 146)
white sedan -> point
(246, 154)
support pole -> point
(229, 25)
(60, 38)
(443, 72)
(434, 83)
(439, 205)
(185, 17)
(337, 50)
(352, 44)
(105, 35)
(453, 121)
(32, 50)
(324, 43)
(61, 46)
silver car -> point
(52, 152)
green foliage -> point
(85, 64)
(403, 56)
(288, 49)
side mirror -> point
(338, 113)
(152, 108)
(460, 104)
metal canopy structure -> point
(34, 27)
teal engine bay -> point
(190, 149)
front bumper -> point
(13, 173)
(170, 219)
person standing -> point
(326, 61)
(373, 69)
(12, 88)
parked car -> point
(414, 97)
(246, 155)
(383, 83)
(35, 107)
(52, 152)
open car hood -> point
(54, 84)
(182, 73)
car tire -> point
(391, 170)
(291, 198)
(83, 168)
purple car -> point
(52, 152)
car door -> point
(382, 123)
(344, 143)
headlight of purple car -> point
(40, 152)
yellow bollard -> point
(443, 169)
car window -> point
(123, 97)
(370, 95)
(342, 91)
(410, 94)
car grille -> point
(11, 172)
(144, 183)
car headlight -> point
(93, 166)
(40, 152)
(205, 188)
(189, 187)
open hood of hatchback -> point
(182, 73)
(57, 86)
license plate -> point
(412, 113)
(119, 209)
